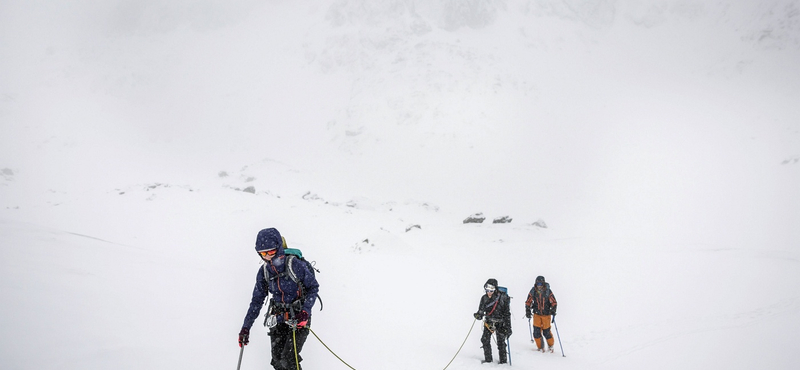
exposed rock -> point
(410, 227)
(311, 196)
(250, 189)
(502, 220)
(475, 218)
(540, 223)
(7, 174)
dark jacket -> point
(496, 310)
(272, 278)
(541, 301)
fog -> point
(654, 123)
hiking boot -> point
(550, 349)
(486, 361)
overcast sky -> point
(673, 116)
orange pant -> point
(541, 322)
(541, 326)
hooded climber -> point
(294, 291)
(542, 304)
(495, 311)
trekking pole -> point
(241, 352)
(508, 349)
(530, 329)
(559, 337)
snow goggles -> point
(270, 252)
(488, 288)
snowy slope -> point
(658, 140)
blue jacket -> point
(278, 283)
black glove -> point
(528, 313)
(302, 318)
(244, 337)
(477, 315)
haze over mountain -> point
(582, 112)
(642, 124)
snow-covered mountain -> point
(144, 144)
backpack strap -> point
(493, 304)
(289, 271)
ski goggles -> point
(488, 288)
(269, 253)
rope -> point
(348, 365)
(294, 341)
(462, 344)
(329, 350)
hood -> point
(540, 279)
(269, 239)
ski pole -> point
(530, 328)
(241, 352)
(508, 349)
(559, 337)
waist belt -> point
(281, 307)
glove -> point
(477, 315)
(244, 337)
(302, 319)
(554, 317)
(528, 313)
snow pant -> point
(541, 326)
(486, 341)
(281, 340)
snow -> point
(658, 140)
